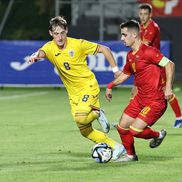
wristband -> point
(35, 54)
(115, 69)
(111, 85)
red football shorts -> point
(149, 112)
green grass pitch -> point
(39, 142)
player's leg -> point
(102, 119)
(127, 139)
(99, 137)
(81, 110)
(88, 109)
(173, 101)
(177, 111)
(128, 117)
(147, 117)
(134, 92)
(96, 113)
(84, 116)
(140, 130)
(130, 127)
(137, 129)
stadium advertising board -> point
(16, 71)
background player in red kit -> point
(145, 63)
(150, 35)
(150, 31)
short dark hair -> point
(131, 24)
(146, 6)
(57, 21)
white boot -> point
(118, 151)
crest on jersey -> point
(71, 53)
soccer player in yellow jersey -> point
(69, 56)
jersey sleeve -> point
(154, 55)
(127, 68)
(47, 49)
(88, 47)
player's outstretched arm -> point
(110, 58)
(120, 79)
(36, 56)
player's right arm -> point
(125, 74)
(120, 79)
(110, 58)
(36, 56)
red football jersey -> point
(147, 73)
(151, 33)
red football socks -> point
(127, 140)
(147, 133)
(175, 106)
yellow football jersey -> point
(72, 65)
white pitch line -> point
(22, 95)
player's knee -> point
(135, 132)
(84, 133)
(122, 131)
(80, 119)
(170, 100)
(85, 130)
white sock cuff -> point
(179, 118)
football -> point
(102, 153)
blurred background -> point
(24, 28)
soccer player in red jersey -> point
(150, 35)
(144, 62)
(150, 31)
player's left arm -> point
(110, 58)
(169, 69)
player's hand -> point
(117, 74)
(168, 93)
(34, 57)
(108, 94)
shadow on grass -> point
(58, 161)
(75, 161)
(176, 134)
(155, 158)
